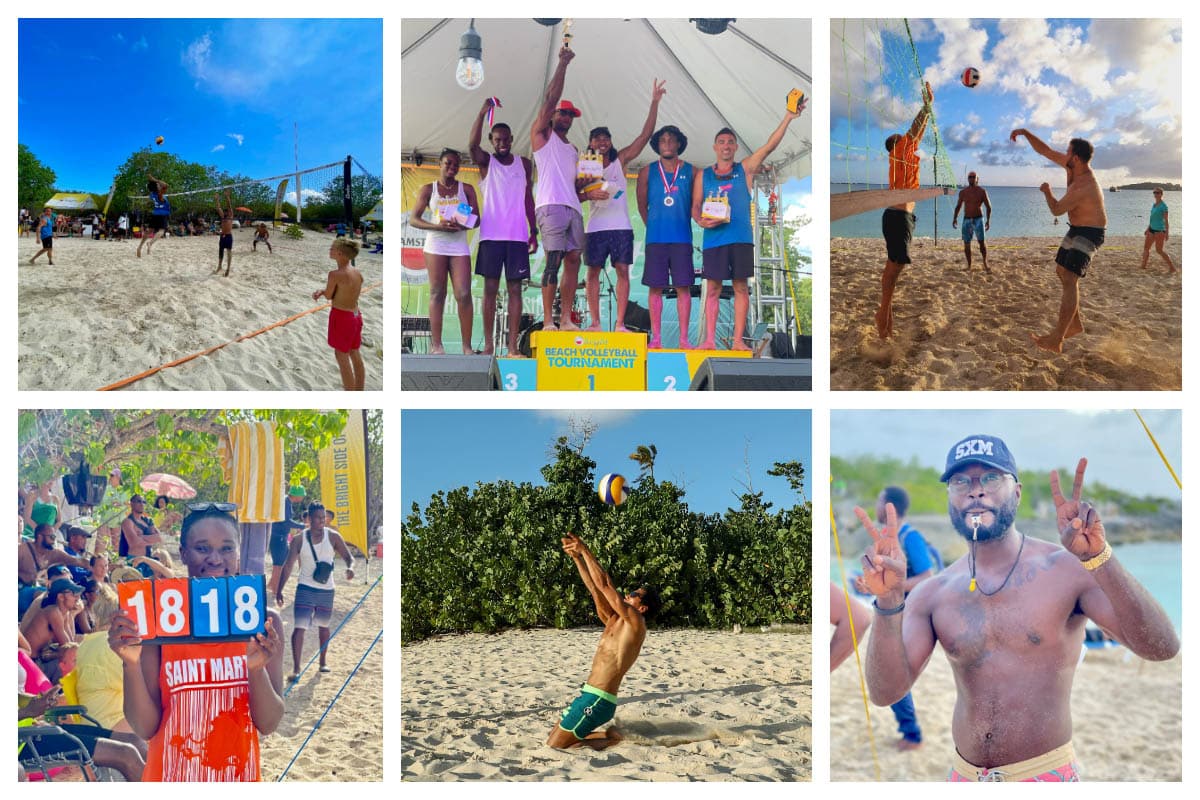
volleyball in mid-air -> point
(970, 77)
(158, 140)
(612, 489)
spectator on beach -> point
(281, 531)
(202, 726)
(1157, 231)
(261, 234)
(314, 552)
(77, 543)
(138, 531)
(42, 552)
(50, 630)
(46, 232)
(342, 289)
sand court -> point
(100, 314)
(697, 705)
(955, 329)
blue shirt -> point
(737, 230)
(47, 229)
(916, 550)
(669, 224)
(162, 206)
(1157, 214)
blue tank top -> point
(1157, 223)
(737, 230)
(162, 206)
(669, 224)
(47, 229)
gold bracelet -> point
(1099, 559)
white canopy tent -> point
(72, 201)
(738, 79)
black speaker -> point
(753, 374)
(637, 318)
(448, 373)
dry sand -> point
(100, 314)
(1127, 715)
(697, 705)
(349, 744)
(960, 330)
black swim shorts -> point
(1077, 248)
(897, 233)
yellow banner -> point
(344, 482)
(585, 361)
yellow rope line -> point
(854, 640)
(1159, 449)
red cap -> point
(569, 107)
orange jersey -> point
(206, 733)
(904, 165)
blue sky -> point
(1116, 82)
(221, 92)
(703, 451)
(1119, 453)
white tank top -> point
(325, 552)
(611, 214)
(503, 212)
(556, 163)
(445, 243)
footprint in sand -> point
(883, 353)
(673, 733)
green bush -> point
(491, 558)
(293, 231)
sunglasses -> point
(202, 507)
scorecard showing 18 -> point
(178, 610)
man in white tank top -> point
(609, 234)
(507, 229)
(557, 208)
(314, 599)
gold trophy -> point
(567, 35)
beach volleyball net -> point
(326, 194)
(876, 84)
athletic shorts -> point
(897, 234)
(226, 242)
(158, 222)
(603, 246)
(561, 228)
(345, 330)
(668, 264)
(312, 606)
(1152, 232)
(494, 258)
(1077, 248)
(48, 242)
(589, 711)
(972, 226)
(729, 262)
(279, 549)
(1057, 766)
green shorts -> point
(589, 711)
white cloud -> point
(218, 148)
(140, 44)
(237, 137)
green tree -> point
(35, 180)
(645, 456)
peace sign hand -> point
(660, 88)
(884, 566)
(1079, 525)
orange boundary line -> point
(126, 381)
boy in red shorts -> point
(345, 322)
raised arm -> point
(754, 162)
(553, 94)
(631, 151)
(604, 585)
(1040, 147)
(902, 639)
(478, 154)
(264, 662)
(917, 130)
(572, 547)
(1117, 602)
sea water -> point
(1018, 211)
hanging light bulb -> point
(469, 73)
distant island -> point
(1169, 187)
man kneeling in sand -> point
(1010, 617)
(1084, 206)
(624, 631)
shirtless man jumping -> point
(975, 198)
(1084, 206)
(624, 631)
(1010, 617)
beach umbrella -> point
(243, 208)
(169, 485)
